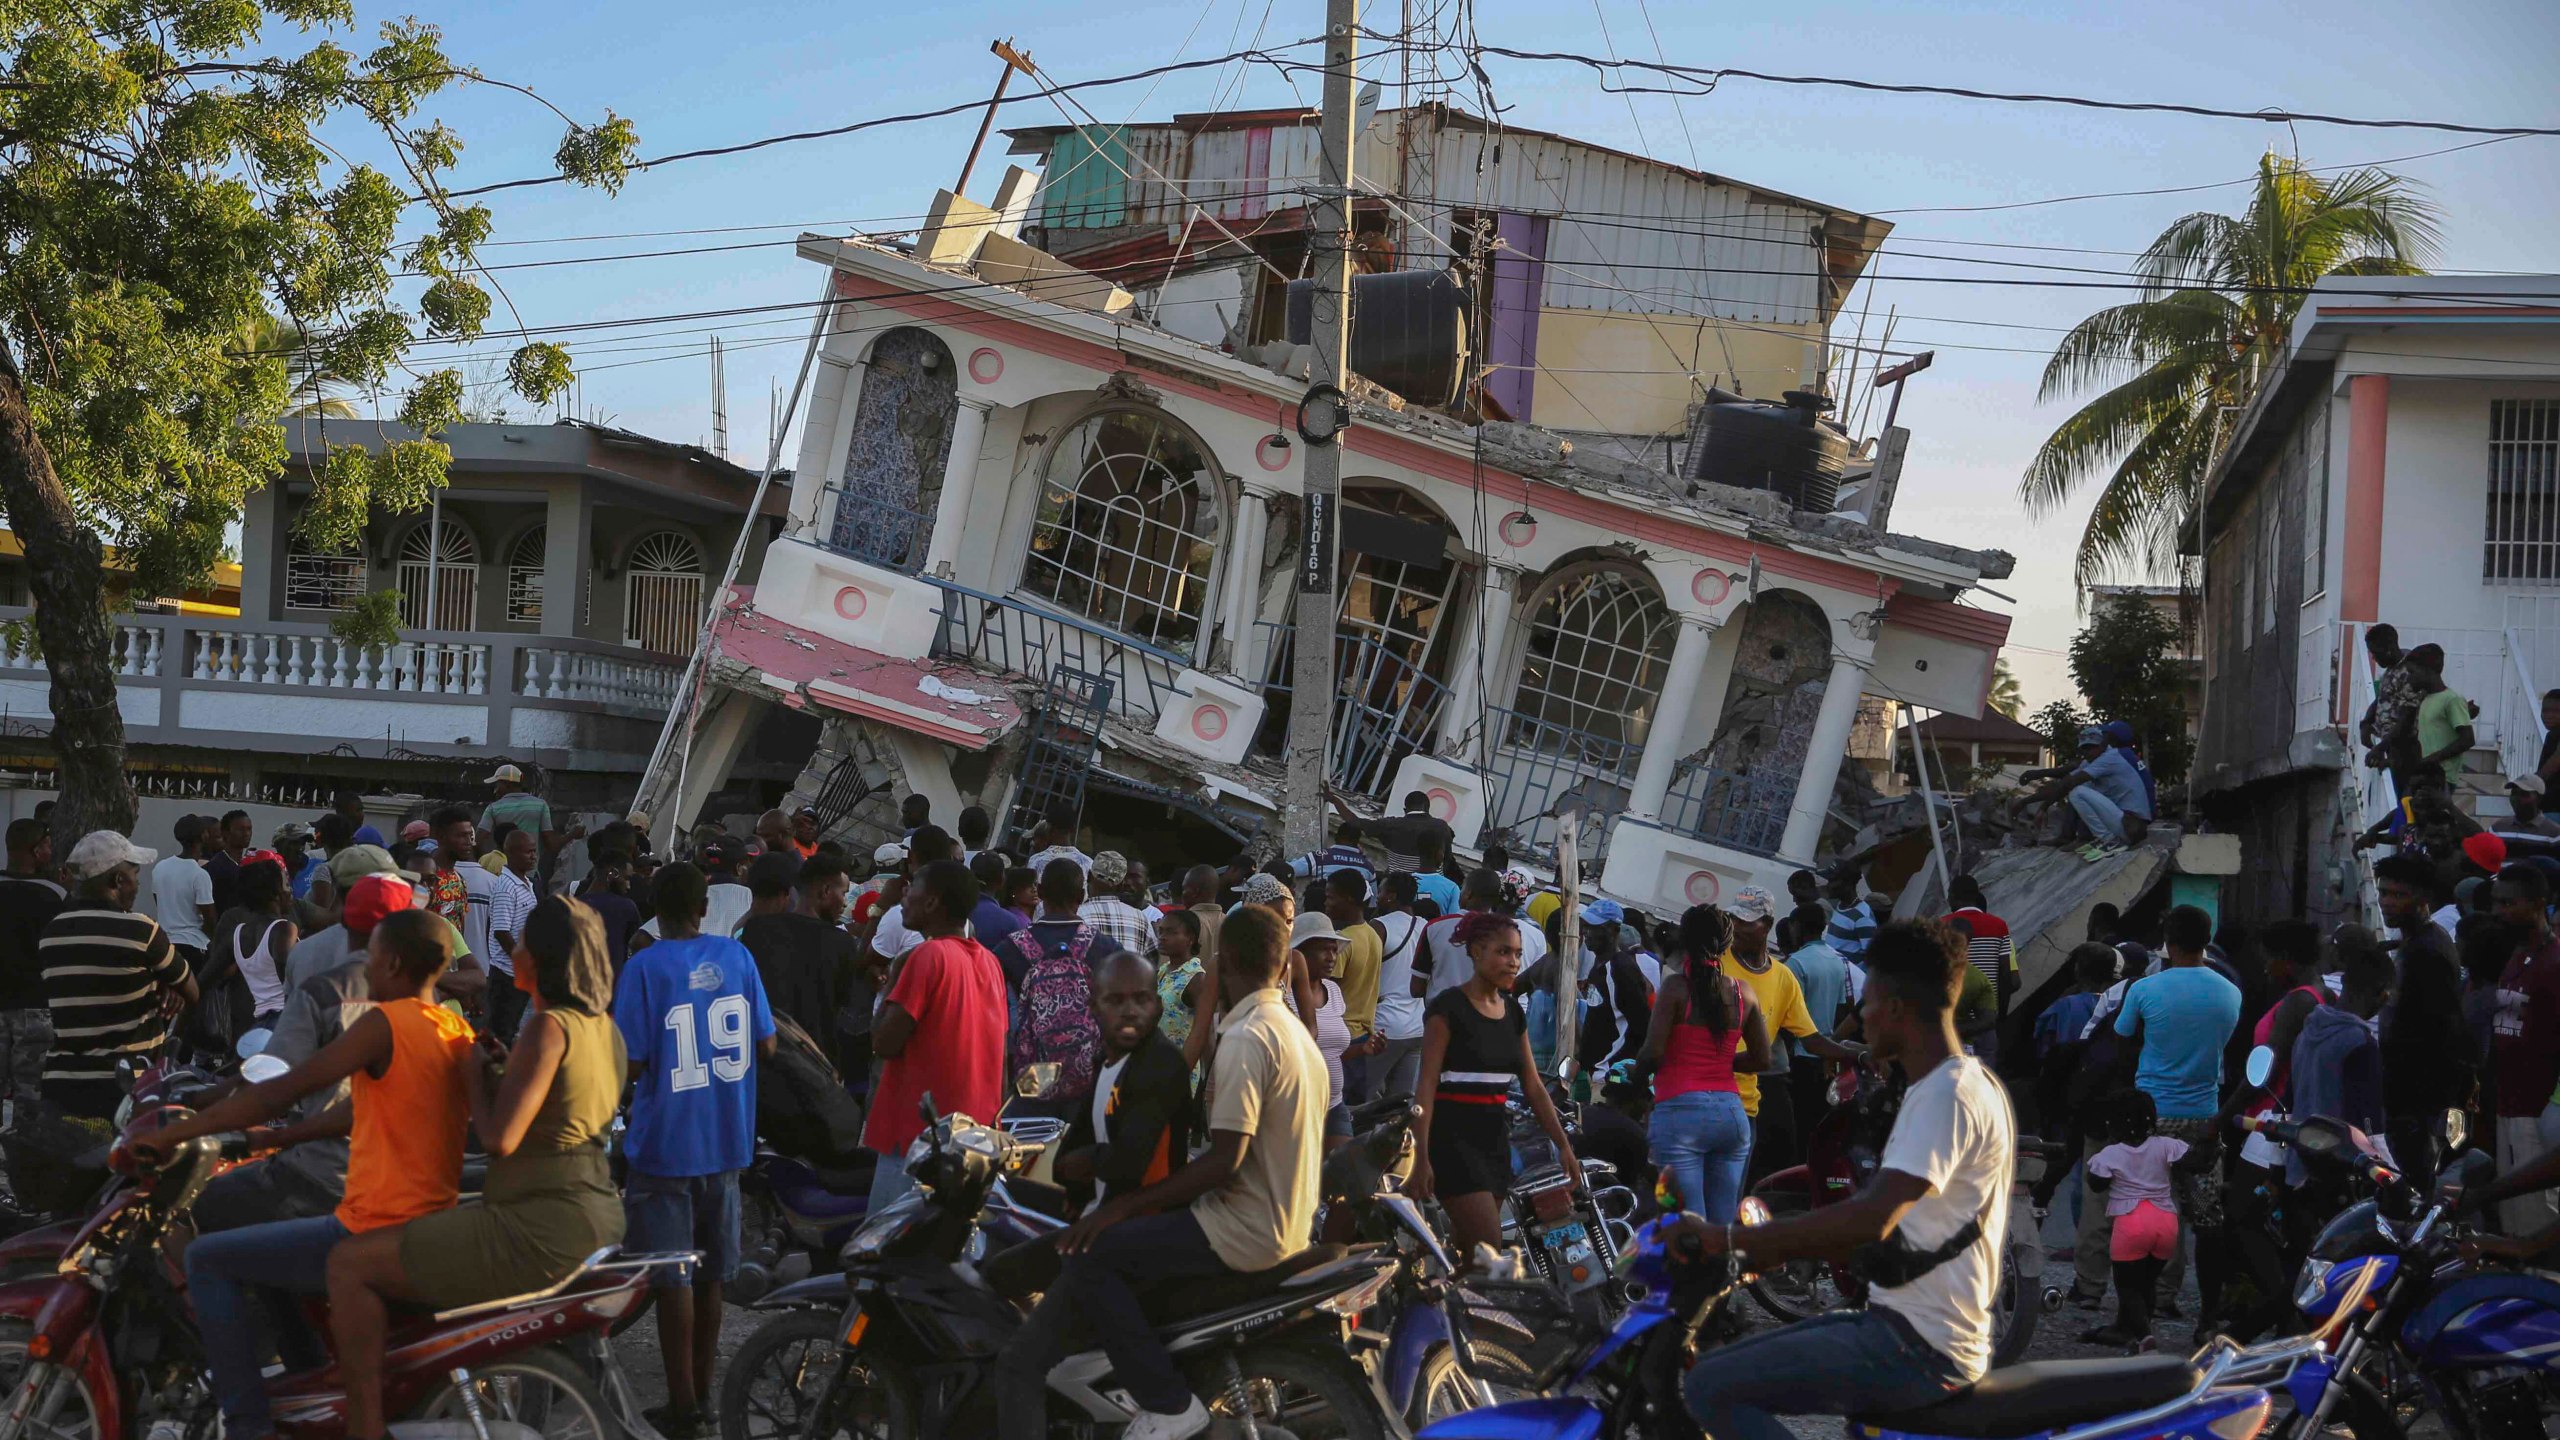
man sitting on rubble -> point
(2104, 791)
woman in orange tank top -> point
(404, 1060)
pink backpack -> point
(1053, 1014)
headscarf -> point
(571, 968)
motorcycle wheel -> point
(1799, 1289)
(780, 1372)
(545, 1390)
(2017, 1304)
(1309, 1395)
(77, 1419)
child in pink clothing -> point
(2133, 1174)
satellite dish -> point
(1364, 110)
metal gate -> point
(662, 596)
(451, 569)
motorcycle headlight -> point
(2315, 1283)
(880, 1229)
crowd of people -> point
(493, 982)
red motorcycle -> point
(1842, 1152)
(106, 1348)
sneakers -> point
(1151, 1426)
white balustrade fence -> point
(610, 680)
(134, 650)
(324, 662)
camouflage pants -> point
(25, 1037)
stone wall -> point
(875, 820)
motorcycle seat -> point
(1175, 1301)
(2428, 1321)
(2047, 1395)
(1050, 1200)
(843, 1179)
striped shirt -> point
(103, 973)
(1989, 949)
(1851, 927)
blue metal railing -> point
(1740, 810)
(1536, 769)
(1384, 708)
(1013, 637)
(871, 526)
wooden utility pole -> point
(1013, 60)
(1321, 418)
(1569, 949)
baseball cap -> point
(1312, 925)
(1751, 905)
(1266, 889)
(2119, 732)
(718, 853)
(2092, 735)
(807, 811)
(100, 851)
(2483, 849)
(892, 853)
(508, 774)
(291, 832)
(2528, 782)
(416, 830)
(1603, 912)
(373, 897)
(357, 861)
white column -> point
(1669, 738)
(1240, 599)
(1488, 633)
(830, 425)
(1822, 756)
(959, 480)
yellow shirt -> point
(1357, 973)
(1780, 998)
(1268, 1082)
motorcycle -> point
(793, 1215)
(1572, 1234)
(106, 1348)
(2415, 1325)
(1841, 1155)
(909, 1355)
(1626, 1385)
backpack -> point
(1053, 1012)
(802, 1109)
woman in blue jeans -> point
(1704, 1029)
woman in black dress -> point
(1475, 1046)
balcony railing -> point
(1014, 637)
(1739, 810)
(1537, 770)
(1384, 707)
(625, 686)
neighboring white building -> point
(2401, 464)
(1046, 549)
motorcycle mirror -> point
(258, 1069)
(2323, 1137)
(2262, 1065)
(253, 1042)
(2457, 1128)
(1034, 1080)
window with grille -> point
(524, 577)
(1595, 656)
(2524, 492)
(662, 599)
(444, 564)
(321, 580)
(1127, 528)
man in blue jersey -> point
(694, 1017)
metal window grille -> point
(317, 581)
(1127, 527)
(2523, 537)
(1595, 657)
(524, 577)
(452, 561)
(662, 599)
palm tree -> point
(2006, 698)
(316, 391)
(2219, 297)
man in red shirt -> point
(2526, 1039)
(940, 1029)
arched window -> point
(445, 563)
(1594, 658)
(1127, 527)
(524, 576)
(662, 594)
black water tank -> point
(1408, 331)
(1782, 445)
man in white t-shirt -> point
(1939, 1204)
(182, 891)
(1450, 962)
(1398, 1069)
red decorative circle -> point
(986, 366)
(1711, 586)
(1271, 452)
(851, 601)
(1209, 722)
(1703, 887)
(1444, 806)
(1519, 528)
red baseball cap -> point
(2485, 850)
(372, 898)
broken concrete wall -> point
(874, 820)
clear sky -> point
(695, 75)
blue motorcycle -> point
(2415, 1327)
(1626, 1386)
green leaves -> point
(196, 240)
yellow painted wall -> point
(1629, 374)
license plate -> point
(1563, 1237)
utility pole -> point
(1322, 415)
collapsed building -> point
(1050, 513)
